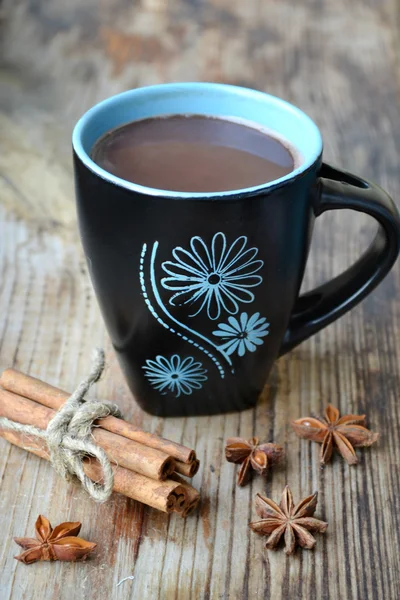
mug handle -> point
(319, 307)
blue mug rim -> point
(309, 158)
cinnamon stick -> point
(52, 397)
(167, 496)
(192, 495)
(127, 453)
(189, 470)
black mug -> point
(200, 291)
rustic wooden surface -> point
(338, 61)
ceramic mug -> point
(200, 291)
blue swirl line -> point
(163, 323)
(161, 305)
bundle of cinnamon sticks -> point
(146, 467)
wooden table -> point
(337, 61)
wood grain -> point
(339, 62)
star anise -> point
(343, 433)
(252, 456)
(294, 522)
(59, 543)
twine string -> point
(69, 434)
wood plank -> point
(337, 61)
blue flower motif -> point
(242, 335)
(175, 375)
(216, 278)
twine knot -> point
(69, 434)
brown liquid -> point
(192, 154)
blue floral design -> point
(180, 376)
(242, 335)
(216, 278)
